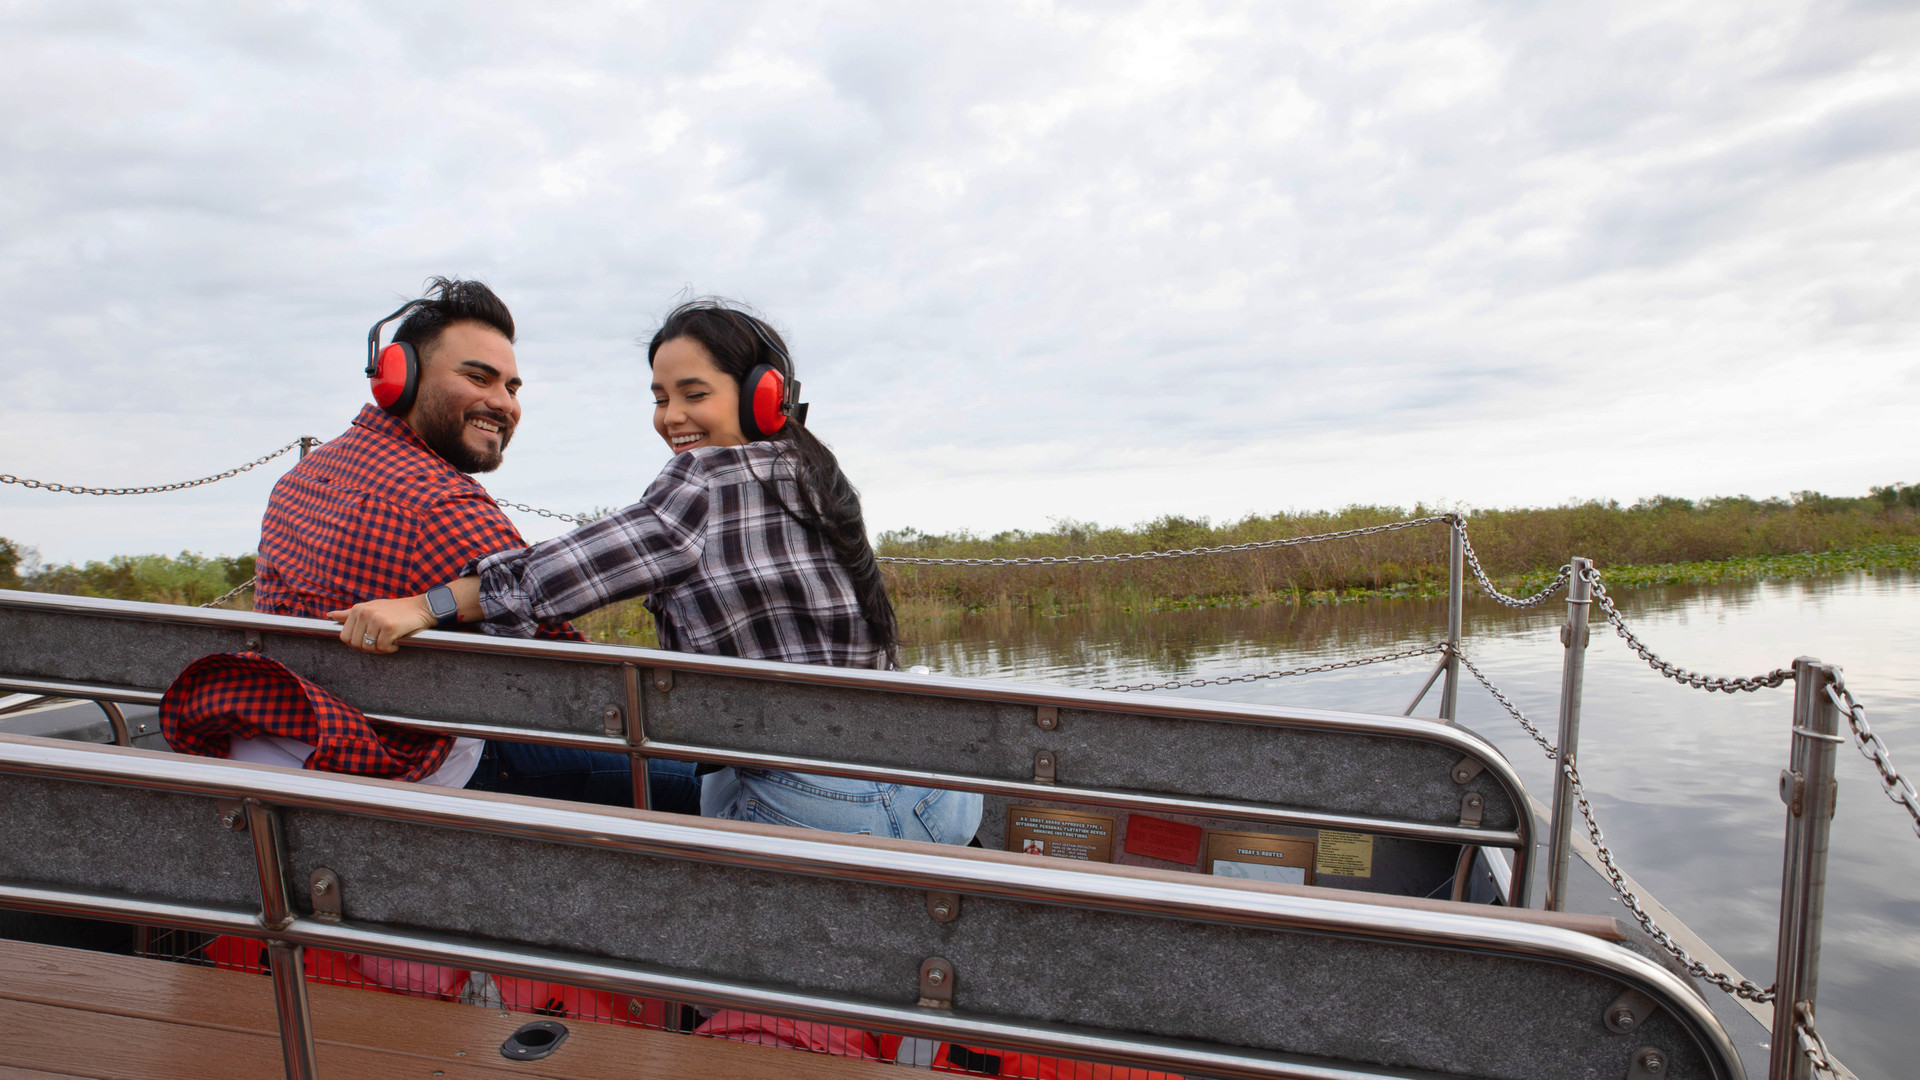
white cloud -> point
(1037, 260)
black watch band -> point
(445, 608)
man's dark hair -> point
(453, 301)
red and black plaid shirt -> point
(371, 515)
(248, 695)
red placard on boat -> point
(1158, 838)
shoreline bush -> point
(1655, 541)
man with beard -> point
(390, 508)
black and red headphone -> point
(769, 396)
(395, 370)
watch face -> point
(441, 602)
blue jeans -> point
(839, 804)
(559, 772)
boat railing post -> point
(1574, 636)
(1456, 599)
(287, 958)
(307, 442)
(1808, 788)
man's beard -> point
(443, 428)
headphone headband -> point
(394, 370)
(790, 404)
(373, 335)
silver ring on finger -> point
(367, 640)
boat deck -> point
(71, 1013)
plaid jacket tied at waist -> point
(245, 694)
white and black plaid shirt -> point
(725, 570)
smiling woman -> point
(694, 403)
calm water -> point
(1684, 782)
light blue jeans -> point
(840, 804)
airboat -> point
(1162, 884)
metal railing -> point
(1807, 786)
(1102, 749)
(303, 829)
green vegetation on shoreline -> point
(1654, 541)
(1660, 541)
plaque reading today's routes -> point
(1060, 834)
(1259, 857)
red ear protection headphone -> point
(768, 395)
(395, 370)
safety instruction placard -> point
(1345, 854)
(1060, 834)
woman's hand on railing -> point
(376, 626)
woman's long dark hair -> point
(829, 505)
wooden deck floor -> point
(65, 1013)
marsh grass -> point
(1659, 541)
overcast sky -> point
(1036, 261)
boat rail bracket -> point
(1472, 806)
(1628, 1012)
(936, 983)
(1043, 763)
(943, 907)
(1047, 717)
(323, 885)
(1466, 769)
(233, 816)
(1647, 1063)
(662, 679)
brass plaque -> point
(1060, 834)
(1348, 854)
(1259, 857)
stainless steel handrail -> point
(1458, 740)
(880, 861)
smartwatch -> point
(445, 608)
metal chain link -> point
(1486, 583)
(231, 593)
(1678, 674)
(1745, 988)
(76, 489)
(1315, 669)
(1513, 710)
(1897, 787)
(1811, 1044)
(568, 518)
(1171, 553)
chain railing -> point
(1314, 669)
(1897, 788)
(1745, 988)
(78, 489)
(1811, 1044)
(554, 514)
(1709, 683)
(231, 593)
(1171, 553)
(1487, 586)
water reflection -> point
(1684, 781)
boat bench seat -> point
(1415, 791)
(1151, 968)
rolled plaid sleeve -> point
(651, 545)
